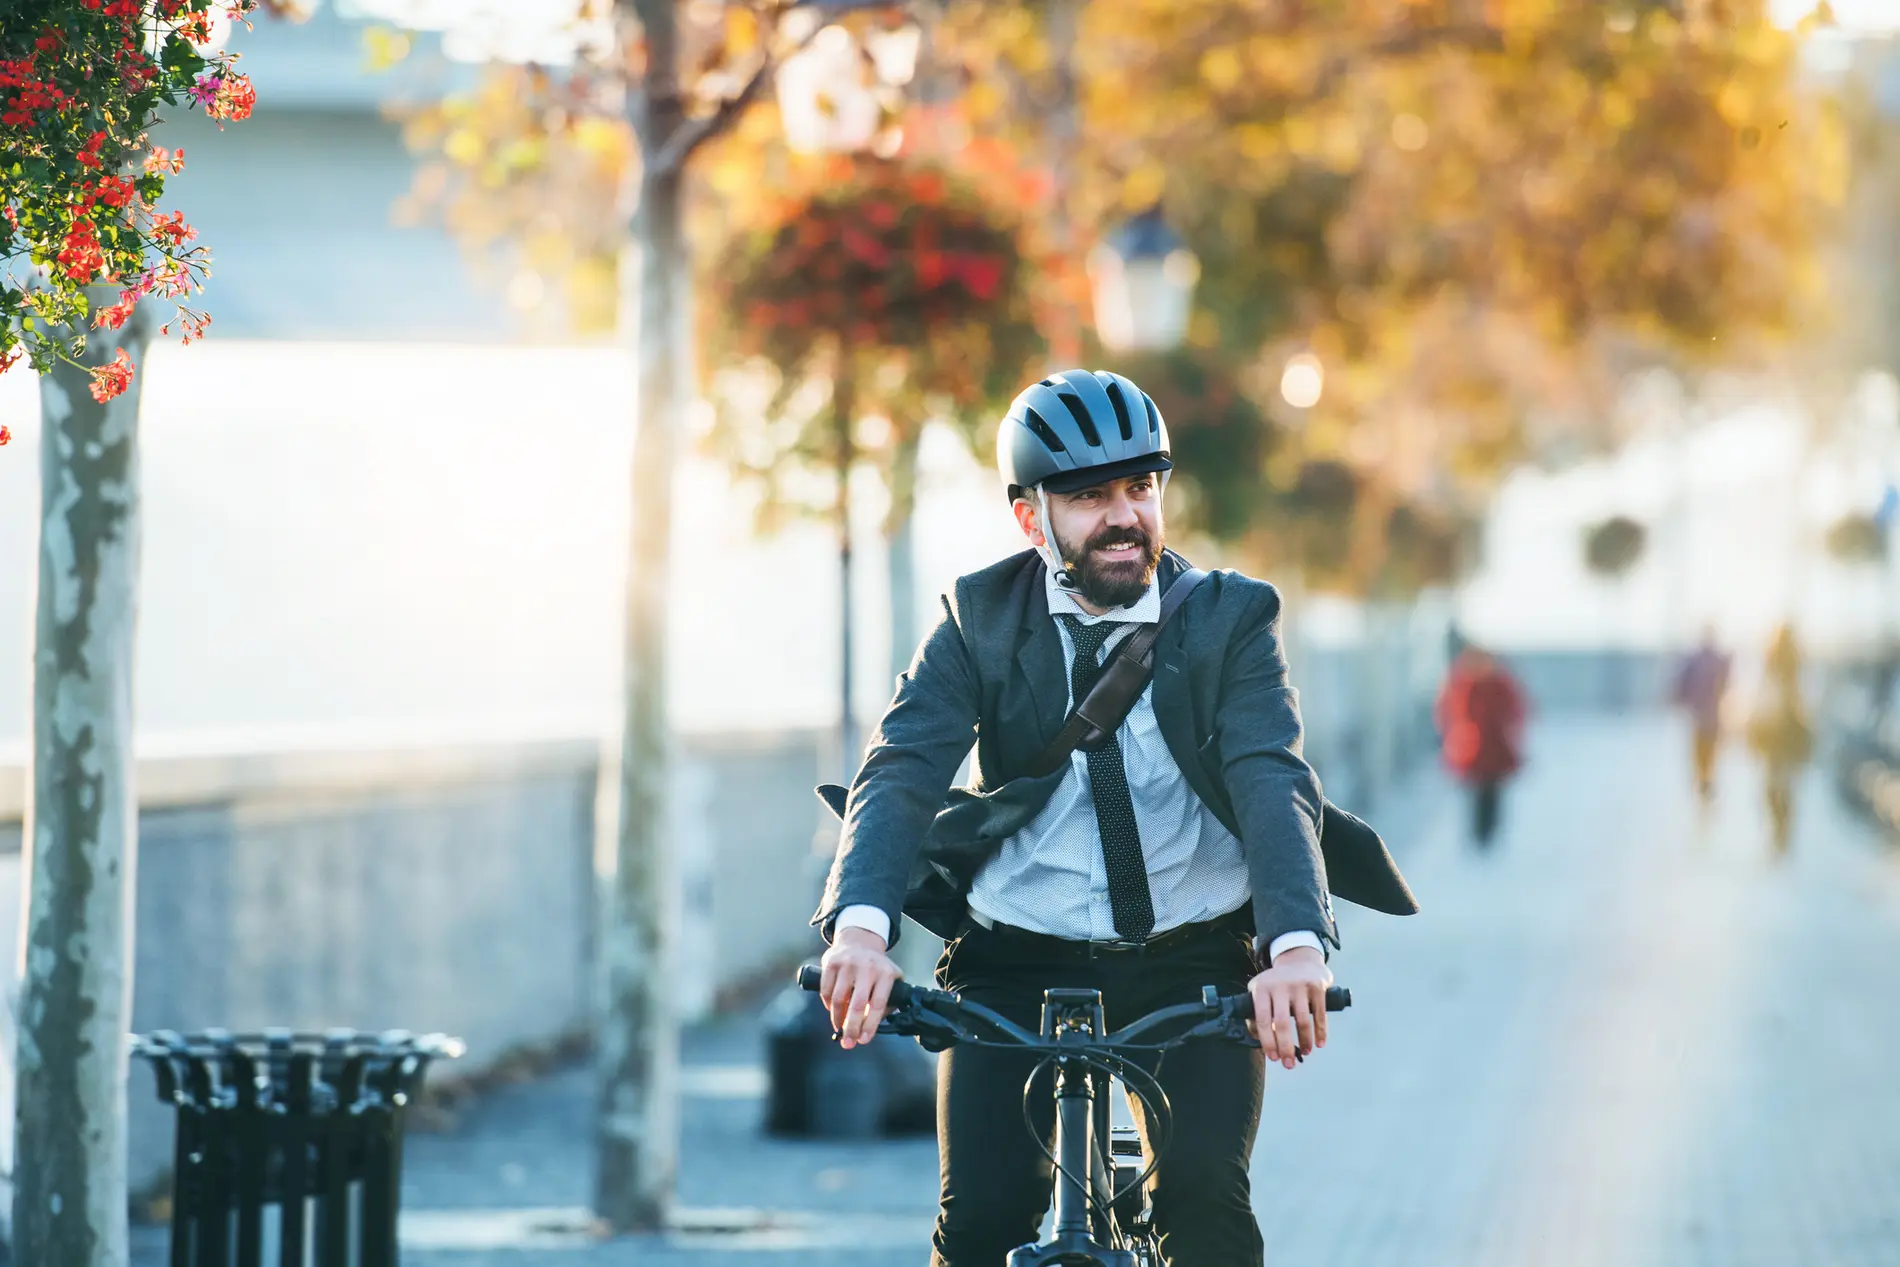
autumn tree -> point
(1475, 217)
(581, 173)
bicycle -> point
(1102, 1217)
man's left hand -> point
(1289, 1005)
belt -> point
(1236, 923)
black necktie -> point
(1128, 896)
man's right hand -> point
(855, 983)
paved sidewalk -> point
(1619, 1039)
(1624, 1039)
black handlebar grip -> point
(809, 977)
(1338, 999)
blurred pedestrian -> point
(1701, 686)
(1480, 713)
(1780, 733)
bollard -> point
(308, 1126)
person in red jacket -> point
(1480, 713)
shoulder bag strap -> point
(1123, 679)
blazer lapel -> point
(1039, 656)
(1174, 706)
(1174, 712)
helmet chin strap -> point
(1065, 574)
(1067, 580)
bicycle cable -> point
(1161, 1125)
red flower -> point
(235, 99)
(89, 155)
(927, 187)
(981, 275)
(116, 314)
(112, 380)
(881, 214)
(865, 248)
(116, 191)
(123, 9)
(5, 435)
(171, 230)
(79, 255)
(931, 269)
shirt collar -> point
(1143, 610)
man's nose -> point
(1121, 511)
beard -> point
(1108, 582)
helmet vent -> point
(1090, 436)
(1154, 415)
(1121, 411)
(1043, 432)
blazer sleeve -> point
(923, 737)
(1275, 794)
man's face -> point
(1111, 534)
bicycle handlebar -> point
(955, 1014)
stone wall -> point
(445, 890)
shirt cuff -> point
(1281, 944)
(873, 919)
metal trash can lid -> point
(285, 1070)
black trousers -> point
(996, 1183)
(1485, 799)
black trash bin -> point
(815, 1088)
(311, 1124)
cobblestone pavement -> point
(1622, 1037)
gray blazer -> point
(993, 669)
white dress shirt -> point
(1051, 878)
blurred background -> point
(1566, 333)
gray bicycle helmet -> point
(1077, 428)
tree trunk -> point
(81, 831)
(637, 1131)
(903, 551)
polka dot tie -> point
(1128, 895)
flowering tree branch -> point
(80, 82)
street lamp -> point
(1142, 277)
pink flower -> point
(112, 380)
(204, 89)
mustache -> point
(1118, 536)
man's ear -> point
(1026, 520)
